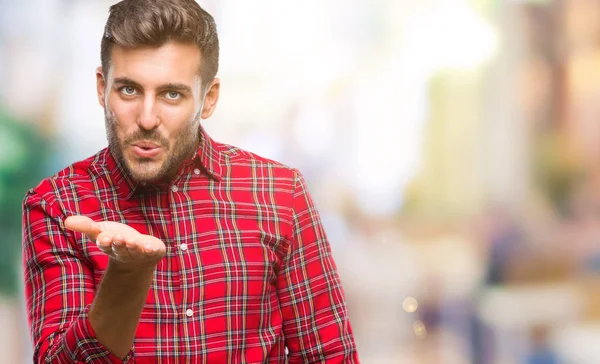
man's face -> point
(153, 103)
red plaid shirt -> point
(248, 272)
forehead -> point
(171, 62)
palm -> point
(117, 227)
(119, 241)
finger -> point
(118, 240)
(84, 225)
(120, 251)
(105, 241)
(152, 244)
(118, 244)
(134, 248)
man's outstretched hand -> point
(130, 272)
(122, 243)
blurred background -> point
(452, 147)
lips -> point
(146, 144)
(146, 149)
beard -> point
(174, 153)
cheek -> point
(123, 114)
(176, 119)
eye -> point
(173, 95)
(128, 90)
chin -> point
(144, 171)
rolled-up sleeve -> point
(59, 289)
(315, 318)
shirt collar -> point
(208, 157)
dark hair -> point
(135, 23)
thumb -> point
(84, 225)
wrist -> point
(130, 268)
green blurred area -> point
(23, 160)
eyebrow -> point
(169, 86)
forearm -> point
(116, 310)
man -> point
(168, 246)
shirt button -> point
(174, 188)
(183, 247)
(189, 313)
(196, 171)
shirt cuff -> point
(81, 342)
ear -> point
(100, 85)
(211, 98)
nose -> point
(148, 117)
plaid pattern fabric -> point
(247, 276)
